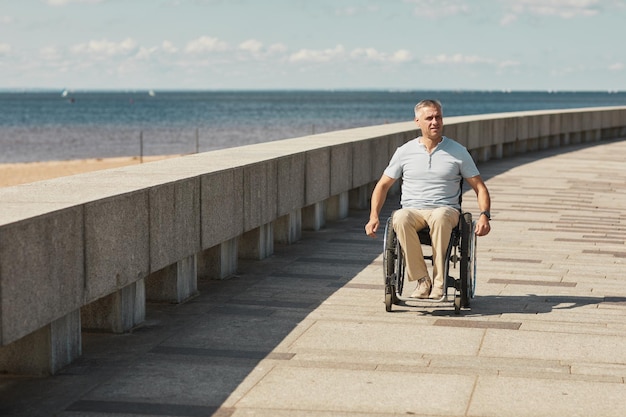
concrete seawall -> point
(87, 251)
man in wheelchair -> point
(432, 167)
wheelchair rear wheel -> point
(393, 267)
(468, 260)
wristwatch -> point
(486, 213)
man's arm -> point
(484, 204)
(379, 195)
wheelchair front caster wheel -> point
(388, 300)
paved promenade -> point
(305, 332)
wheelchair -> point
(461, 250)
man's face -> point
(430, 121)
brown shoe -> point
(423, 288)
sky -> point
(518, 45)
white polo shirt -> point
(431, 180)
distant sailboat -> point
(64, 93)
(151, 93)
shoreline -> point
(27, 172)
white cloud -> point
(206, 44)
(277, 48)
(508, 19)
(372, 54)
(66, 2)
(169, 47)
(105, 48)
(457, 59)
(251, 45)
(565, 9)
(401, 55)
(5, 48)
(439, 8)
(49, 53)
(508, 64)
(512, 10)
(350, 11)
(326, 55)
(618, 66)
(146, 53)
(368, 53)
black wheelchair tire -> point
(466, 290)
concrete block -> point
(554, 141)
(497, 133)
(117, 240)
(462, 133)
(41, 271)
(174, 222)
(523, 130)
(259, 194)
(565, 139)
(362, 172)
(576, 121)
(474, 134)
(290, 190)
(497, 151)
(486, 132)
(219, 261)
(257, 243)
(118, 312)
(288, 228)
(509, 149)
(359, 198)
(555, 124)
(46, 350)
(544, 125)
(317, 177)
(509, 130)
(484, 154)
(380, 151)
(313, 216)
(340, 168)
(337, 207)
(221, 206)
(175, 283)
(590, 120)
(450, 130)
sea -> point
(64, 125)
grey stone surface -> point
(341, 160)
(259, 194)
(41, 271)
(317, 176)
(117, 243)
(290, 184)
(222, 193)
(174, 222)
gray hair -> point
(427, 103)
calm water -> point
(50, 126)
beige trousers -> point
(406, 223)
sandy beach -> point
(23, 173)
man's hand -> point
(482, 226)
(371, 227)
